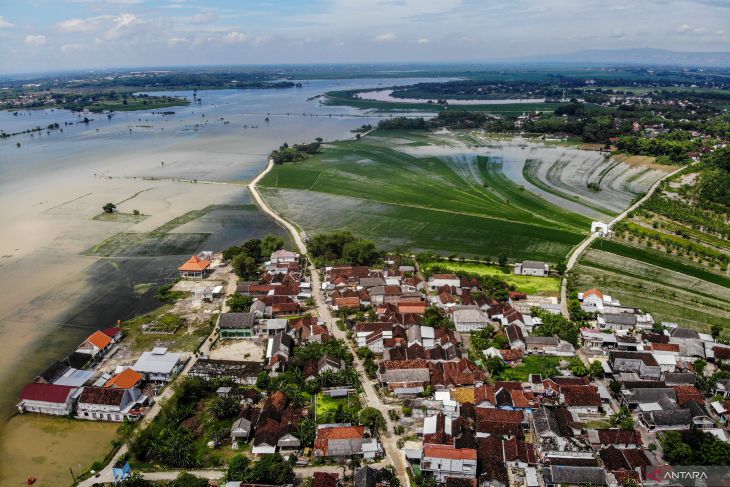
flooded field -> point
(39, 446)
(65, 271)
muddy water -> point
(52, 186)
(50, 448)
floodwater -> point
(55, 291)
(387, 96)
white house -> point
(284, 257)
(470, 319)
(448, 461)
(602, 229)
(159, 365)
(109, 404)
(532, 268)
(43, 398)
(438, 280)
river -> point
(56, 291)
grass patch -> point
(534, 364)
(118, 217)
(160, 241)
(526, 284)
(327, 407)
(185, 339)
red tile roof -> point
(616, 436)
(112, 332)
(195, 264)
(124, 380)
(99, 339)
(324, 435)
(444, 276)
(347, 302)
(593, 292)
(449, 451)
(101, 395)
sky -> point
(46, 35)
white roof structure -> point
(74, 377)
(430, 422)
(158, 361)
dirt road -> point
(578, 251)
(388, 438)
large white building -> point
(159, 365)
(448, 461)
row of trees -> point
(343, 248)
(295, 153)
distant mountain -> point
(643, 55)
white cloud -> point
(67, 48)
(423, 40)
(618, 34)
(387, 37)
(121, 25)
(35, 40)
(206, 17)
(176, 41)
(4, 24)
(80, 25)
(235, 38)
(683, 28)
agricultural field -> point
(669, 257)
(545, 286)
(668, 289)
(426, 192)
(602, 183)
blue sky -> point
(40, 35)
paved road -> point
(575, 255)
(388, 438)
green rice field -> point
(446, 204)
(656, 284)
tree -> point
(561, 267)
(224, 407)
(271, 244)
(494, 365)
(502, 260)
(715, 331)
(253, 248)
(239, 303)
(578, 369)
(596, 369)
(623, 419)
(136, 480)
(272, 470)
(238, 468)
(372, 418)
(245, 267)
(109, 208)
(185, 479)
(307, 431)
(614, 387)
(231, 252)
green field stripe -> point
(659, 260)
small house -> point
(532, 268)
(159, 365)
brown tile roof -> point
(324, 435)
(347, 302)
(688, 393)
(581, 395)
(101, 395)
(325, 479)
(615, 436)
(722, 353)
(665, 347)
(510, 355)
(500, 415)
